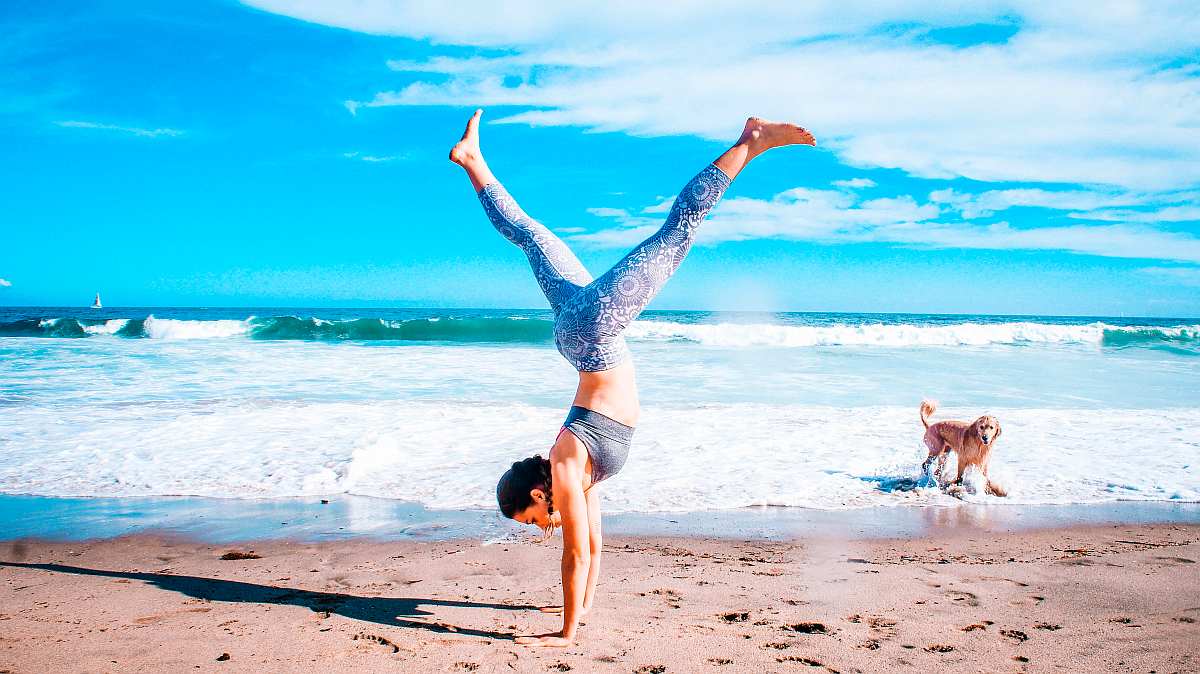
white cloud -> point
(132, 130)
(1087, 204)
(1077, 94)
(5, 283)
(663, 205)
(1167, 214)
(608, 212)
(370, 158)
(983, 204)
(1189, 276)
(855, 183)
(840, 217)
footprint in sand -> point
(1016, 635)
(807, 628)
(1031, 600)
(939, 648)
(735, 616)
(802, 660)
(967, 598)
(672, 597)
(720, 661)
(882, 627)
(376, 641)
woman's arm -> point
(566, 472)
(595, 546)
(576, 557)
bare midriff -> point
(611, 392)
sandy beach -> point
(1112, 598)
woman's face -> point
(538, 513)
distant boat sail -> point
(96, 304)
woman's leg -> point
(588, 330)
(558, 271)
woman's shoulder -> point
(568, 448)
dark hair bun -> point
(512, 492)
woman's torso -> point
(612, 393)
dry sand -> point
(1111, 598)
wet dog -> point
(972, 441)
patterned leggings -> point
(590, 314)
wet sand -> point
(1095, 598)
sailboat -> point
(96, 304)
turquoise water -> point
(427, 406)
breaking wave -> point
(539, 330)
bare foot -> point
(466, 150)
(761, 135)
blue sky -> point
(985, 157)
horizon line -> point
(547, 309)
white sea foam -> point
(722, 335)
(960, 334)
(684, 458)
(109, 327)
(170, 328)
(721, 427)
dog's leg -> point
(962, 469)
(941, 467)
(935, 450)
(993, 488)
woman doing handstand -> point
(590, 315)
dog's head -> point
(988, 428)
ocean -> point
(428, 406)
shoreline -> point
(1082, 598)
(344, 517)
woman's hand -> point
(552, 640)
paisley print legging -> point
(590, 314)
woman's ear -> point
(537, 495)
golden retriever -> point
(973, 441)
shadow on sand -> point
(391, 611)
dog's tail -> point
(928, 407)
